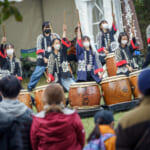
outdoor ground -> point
(87, 122)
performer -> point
(124, 54)
(71, 54)
(43, 51)
(147, 61)
(9, 63)
(104, 38)
(87, 66)
(57, 63)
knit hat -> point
(106, 115)
(144, 82)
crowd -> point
(58, 127)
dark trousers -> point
(147, 61)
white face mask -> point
(10, 51)
(124, 42)
(57, 47)
(86, 44)
(105, 26)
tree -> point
(8, 9)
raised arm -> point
(79, 31)
(64, 30)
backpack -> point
(98, 144)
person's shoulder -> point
(133, 117)
(40, 36)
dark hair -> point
(10, 86)
(45, 24)
(103, 21)
(54, 95)
(95, 134)
(53, 41)
(86, 37)
(76, 28)
(121, 34)
(8, 44)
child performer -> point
(104, 38)
(9, 62)
(124, 54)
(87, 66)
(57, 63)
(43, 50)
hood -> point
(5, 123)
(13, 108)
(55, 127)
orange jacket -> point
(111, 142)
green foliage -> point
(142, 9)
(7, 9)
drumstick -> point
(104, 71)
(4, 31)
(132, 22)
(78, 15)
(45, 74)
(134, 70)
(50, 25)
(112, 6)
(64, 17)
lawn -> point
(87, 122)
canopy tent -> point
(23, 34)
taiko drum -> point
(133, 77)
(38, 93)
(111, 64)
(116, 89)
(25, 97)
(84, 95)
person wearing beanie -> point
(147, 61)
(104, 131)
(133, 131)
(57, 127)
(43, 50)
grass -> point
(88, 123)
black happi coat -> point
(58, 64)
(13, 67)
(124, 56)
(103, 40)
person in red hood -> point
(56, 128)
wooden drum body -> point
(84, 95)
(116, 89)
(111, 64)
(38, 93)
(133, 80)
(25, 97)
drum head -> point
(24, 91)
(110, 55)
(113, 78)
(40, 87)
(136, 73)
(82, 84)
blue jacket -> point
(82, 66)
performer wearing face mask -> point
(43, 51)
(104, 38)
(87, 66)
(124, 54)
(9, 63)
(57, 63)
